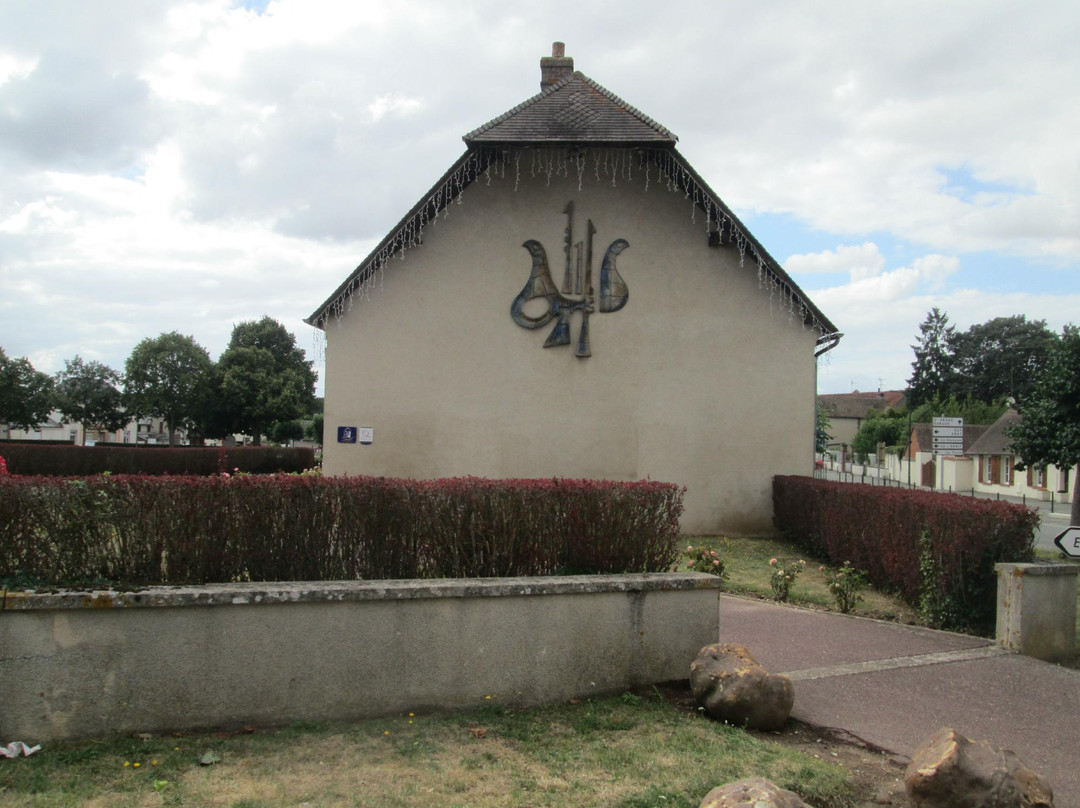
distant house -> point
(55, 428)
(575, 301)
(847, 411)
(923, 467)
(995, 467)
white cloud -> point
(393, 105)
(190, 164)
(860, 261)
(926, 274)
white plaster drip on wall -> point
(564, 162)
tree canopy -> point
(265, 377)
(87, 392)
(990, 361)
(26, 395)
(933, 368)
(1049, 431)
(1000, 358)
(167, 377)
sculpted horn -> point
(613, 290)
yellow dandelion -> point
(127, 763)
(135, 765)
(386, 732)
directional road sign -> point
(1068, 541)
(948, 432)
(942, 421)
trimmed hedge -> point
(83, 461)
(134, 531)
(936, 551)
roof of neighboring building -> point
(994, 441)
(570, 110)
(574, 110)
(922, 436)
(858, 405)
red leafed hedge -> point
(937, 551)
(80, 461)
(144, 530)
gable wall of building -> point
(703, 379)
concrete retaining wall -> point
(85, 664)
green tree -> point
(934, 366)
(1000, 357)
(265, 377)
(1049, 431)
(26, 395)
(880, 427)
(284, 431)
(972, 410)
(215, 418)
(167, 377)
(315, 430)
(821, 429)
(87, 392)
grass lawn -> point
(640, 750)
(748, 572)
(631, 751)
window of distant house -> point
(987, 469)
(1038, 477)
(72, 435)
(1006, 470)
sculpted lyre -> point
(613, 289)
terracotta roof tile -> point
(858, 405)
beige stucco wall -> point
(77, 663)
(703, 379)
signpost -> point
(1068, 541)
(948, 435)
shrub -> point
(705, 559)
(133, 530)
(783, 578)
(880, 531)
(845, 585)
(81, 461)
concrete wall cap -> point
(240, 594)
(1036, 568)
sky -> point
(191, 165)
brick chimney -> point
(556, 67)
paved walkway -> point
(893, 686)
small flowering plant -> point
(844, 585)
(704, 559)
(3, 467)
(783, 576)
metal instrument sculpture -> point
(577, 280)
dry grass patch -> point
(633, 751)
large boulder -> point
(730, 684)
(951, 771)
(751, 792)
